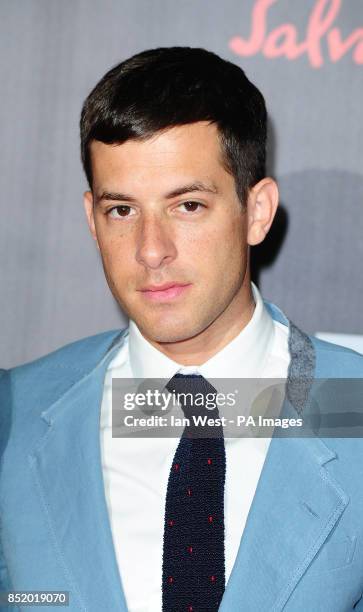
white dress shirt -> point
(136, 471)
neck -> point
(198, 349)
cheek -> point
(224, 249)
(111, 236)
(116, 257)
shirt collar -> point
(243, 357)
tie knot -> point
(192, 388)
(197, 398)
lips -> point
(165, 292)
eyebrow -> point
(194, 187)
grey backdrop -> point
(53, 51)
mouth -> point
(164, 293)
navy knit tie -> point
(193, 552)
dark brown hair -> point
(162, 88)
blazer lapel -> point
(67, 467)
(295, 507)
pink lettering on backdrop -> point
(283, 40)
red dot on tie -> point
(176, 466)
(189, 492)
(190, 549)
(209, 461)
(212, 578)
(190, 608)
(171, 523)
(210, 518)
(170, 579)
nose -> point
(155, 245)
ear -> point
(88, 206)
(262, 204)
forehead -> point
(190, 151)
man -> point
(173, 146)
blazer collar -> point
(295, 507)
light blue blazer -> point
(302, 546)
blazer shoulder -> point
(51, 375)
(77, 355)
(334, 360)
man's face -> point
(164, 211)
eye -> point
(120, 211)
(191, 206)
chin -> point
(166, 332)
(169, 338)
